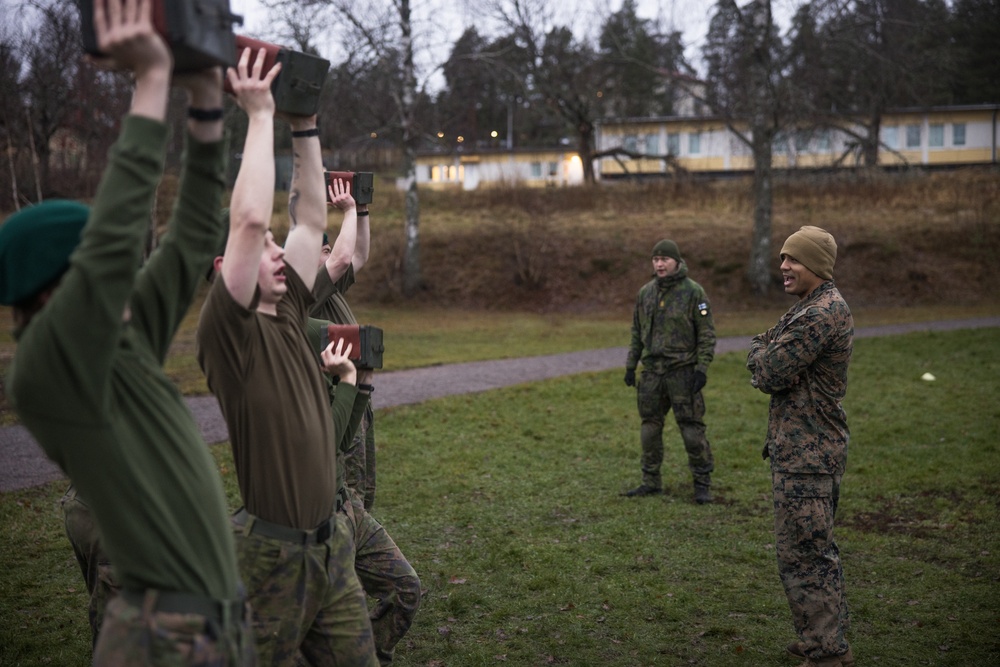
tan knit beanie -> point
(814, 248)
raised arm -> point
(363, 244)
(168, 281)
(345, 246)
(306, 200)
(253, 193)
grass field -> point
(507, 505)
(507, 502)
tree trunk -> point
(869, 155)
(586, 148)
(759, 269)
(412, 280)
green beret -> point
(35, 245)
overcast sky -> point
(691, 17)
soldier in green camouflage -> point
(674, 338)
(81, 529)
(385, 573)
(336, 275)
(802, 364)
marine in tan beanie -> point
(813, 249)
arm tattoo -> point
(293, 199)
(294, 193)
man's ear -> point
(214, 269)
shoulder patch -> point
(703, 308)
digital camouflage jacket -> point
(802, 363)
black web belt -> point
(276, 531)
(220, 611)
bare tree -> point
(51, 56)
(562, 70)
(12, 115)
(380, 31)
(851, 60)
(746, 87)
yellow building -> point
(938, 136)
(651, 147)
(495, 167)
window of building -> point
(435, 173)
(890, 137)
(913, 136)
(652, 144)
(780, 144)
(536, 169)
(958, 134)
(674, 143)
(935, 135)
(553, 168)
(694, 143)
(802, 139)
(629, 143)
(823, 141)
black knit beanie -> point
(666, 248)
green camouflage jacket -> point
(672, 325)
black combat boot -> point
(643, 490)
(702, 493)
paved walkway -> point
(24, 464)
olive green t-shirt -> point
(330, 302)
(270, 388)
(92, 390)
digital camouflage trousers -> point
(306, 599)
(386, 576)
(97, 572)
(137, 635)
(658, 394)
(809, 564)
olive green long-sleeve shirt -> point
(88, 381)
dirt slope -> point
(910, 239)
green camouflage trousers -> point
(306, 598)
(137, 635)
(809, 561)
(359, 461)
(385, 575)
(94, 564)
(657, 394)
